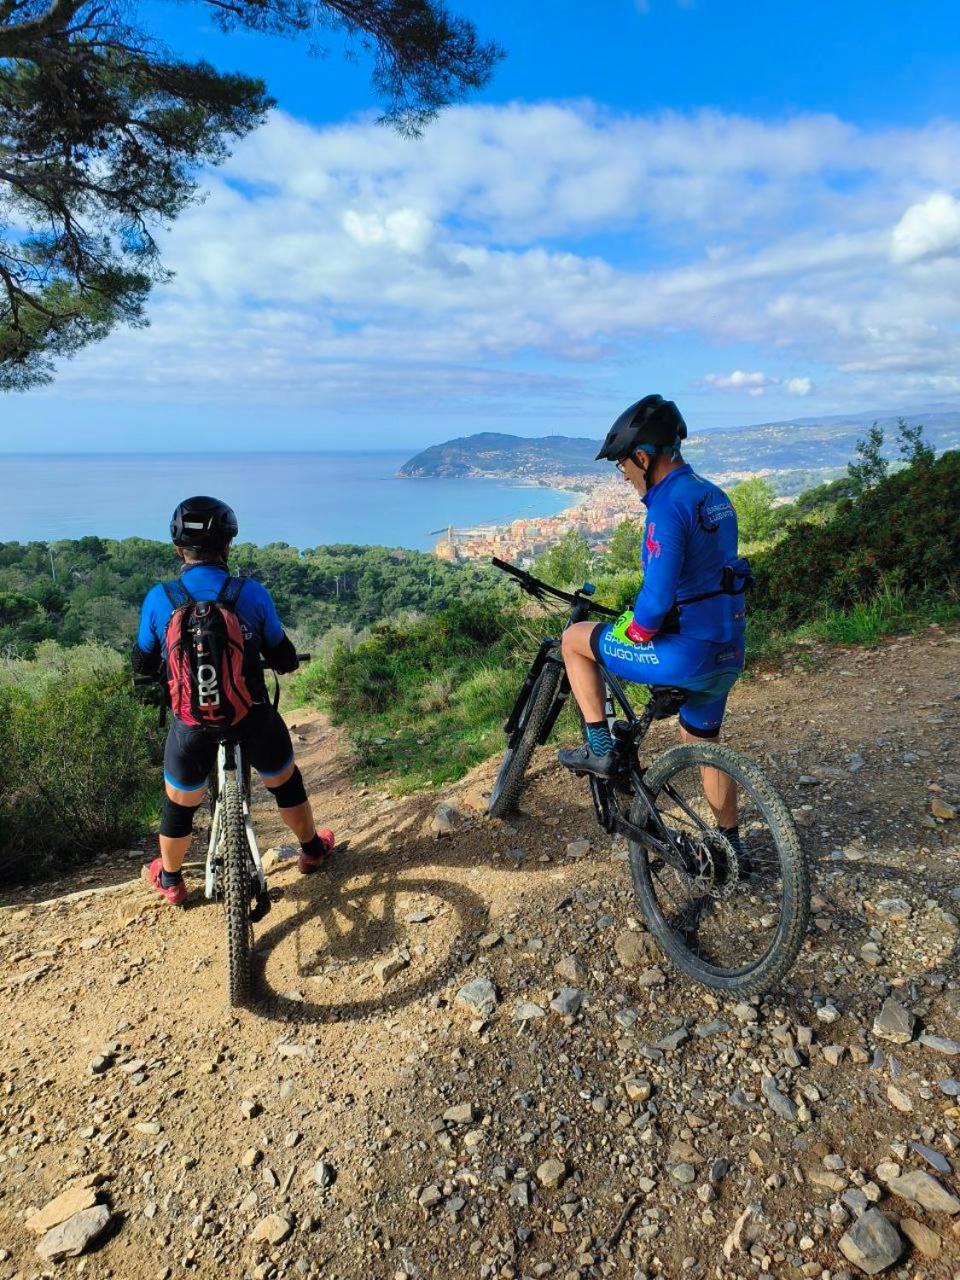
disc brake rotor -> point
(716, 870)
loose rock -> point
(873, 1243)
(477, 997)
(894, 1022)
(922, 1188)
(273, 1229)
(62, 1207)
(71, 1238)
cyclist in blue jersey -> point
(202, 530)
(687, 624)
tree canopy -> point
(102, 132)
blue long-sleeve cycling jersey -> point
(256, 611)
(689, 536)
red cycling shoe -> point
(308, 862)
(175, 894)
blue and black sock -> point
(598, 737)
(169, 878)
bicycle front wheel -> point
(509, 783)
(236, 892)
(735, 918)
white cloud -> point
(799, 386)
(755, 384)
(323, 257)
(752, 383)
(930, 229)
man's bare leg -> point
(719, 788)
(582, 671)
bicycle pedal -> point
(261, 908)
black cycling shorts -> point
(191, 750)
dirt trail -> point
(207, 1130)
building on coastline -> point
(601, 506)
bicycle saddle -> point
(666, 700)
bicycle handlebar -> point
(535, 587)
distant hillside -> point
(490, 453)
(796, 454)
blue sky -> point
(751, 208)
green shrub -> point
(901, 535)
(81, 760)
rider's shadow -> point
(352, 914)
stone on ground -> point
(894, 1022)
(61, 1207)
(922, 1188)
(922, 1238)
(478, 997)
(71, 1238)
(872, 1244)
(273, 1229)
(551, 1172)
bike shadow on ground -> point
(353, 913)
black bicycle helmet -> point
(652, 424)
(203, 524)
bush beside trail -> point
(901, 535)
(81, 759)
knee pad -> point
(290, 793)
(176, 820)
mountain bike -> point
(733, 919)
(234, 873)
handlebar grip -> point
(303, 657)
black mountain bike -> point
(731, 919)
(234, 870)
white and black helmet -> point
(653, 425)
(203, 524)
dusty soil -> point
(200, 1124)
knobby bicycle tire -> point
(236, 892)
(509, 784)
(788, 939)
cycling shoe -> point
(309, 863)
(582, 760)
(175, 894)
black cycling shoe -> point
(582, 760)
(744, 865)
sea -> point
(303, 499)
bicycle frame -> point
(627, 733)
(230, 758)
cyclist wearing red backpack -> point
(209, 630)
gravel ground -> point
(579, 1110)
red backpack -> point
(205, 651)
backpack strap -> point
(230, 593)
(177, 594)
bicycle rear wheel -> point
(236, 892)
(509, 784)
(734, 920)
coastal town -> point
(598, 506)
